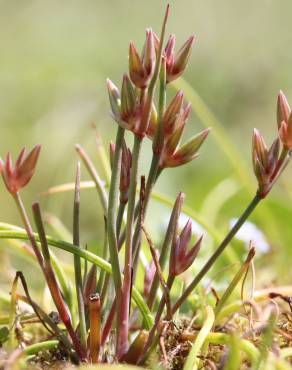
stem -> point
(120, 216)
(94, 317)
(153, 172)
(125, 302)
(169, 283)
(28, 228)
(77, 261)
(108, 323)
(53, 284)
(100, 187)
(111, 216)
(166, 243)
(217, 252)
(111, 219)
(280, 162)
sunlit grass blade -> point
(192, 362)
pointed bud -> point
(188, 151)
(283, 109)
(149, 56)
(174, 140)
(181, 259)
(172, 111)
(180, 60)
(18, 176)
(285, 134)
(273, 156)
(264, 161)
(156, 42)
(151, 129)
(260, 148)
(169, 52)
(114, 99)
(128, 99)
(136, 68)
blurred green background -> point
(56, 56)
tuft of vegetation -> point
(109, 317)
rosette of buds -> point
(18, 176)
(181, 256)
(268, 163)
(174, 120)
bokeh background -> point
(55, 58)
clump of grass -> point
(126, 327)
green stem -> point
(111, 216)
(53, 284)
(28, 228)
(153, 172)
(125, 302)
(100, 187)
(111, 219)
(163, 254)
(77, 261)
(217, 252)
(159, 312)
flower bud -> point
(264, 161)
(114, 99)
(283, 109)
(285, 134)
(181, 259)
(141, 69)
(128, 99)
(176, 63)
(172, 111)
(18, 176)
(188, 151)
(149, 53)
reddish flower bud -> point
(149, 57)
(264, 161)
(18, 176)
(141, 68)
(176, 63)
(151, 129)
(187, 152)
(283, 109)
(181, 259)
(128, 100)
(115, 100)
(285, 134)
(172, 111)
